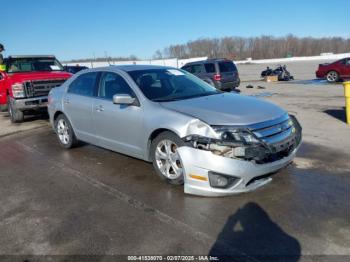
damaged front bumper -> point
(221, 167)
(198, 164)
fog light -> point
(221, 181)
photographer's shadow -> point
(251, 233)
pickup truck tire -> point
(3, 108)
(65, 133)
(16, 116)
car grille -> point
(281, 137)
(41, 87)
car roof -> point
(130, 68)
(74, 66)
(212, 60)
(31, 56)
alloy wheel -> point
(168, 159)
(63, 131)
(332, 76)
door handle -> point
(99, 108)
(66, 101)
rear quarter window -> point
(187, 68)
(196, 69)
(210, 68)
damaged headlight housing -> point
(237, 135)
(230, 142)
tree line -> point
(263, 47)
(103, 59)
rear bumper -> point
(198, 162)
(227, 85)
(34, 103)
(320, 74)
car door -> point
(346, 68)
(210, 71)
(118, 127)
(78, 105)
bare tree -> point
(258, 47)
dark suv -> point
(221, 73)
(74, 69)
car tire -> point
(3, 108)
(65, 133)
(16, 116)
(166, 160)
(332, 77)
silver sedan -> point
(214, 143)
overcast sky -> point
(83, 28)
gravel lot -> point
(92, 201)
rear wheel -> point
(332, 76)
(65, 133)
(16, 115)
(166, 159)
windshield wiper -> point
(200, 95)
(185, 97)
(165, 100)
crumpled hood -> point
(227, 109)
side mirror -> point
(123, 99)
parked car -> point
(74, 69)
(215, 143)
(26, 81)
(334, 72)
(221, 73)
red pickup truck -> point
(25, 82)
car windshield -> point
(16, 65)
(162, 85)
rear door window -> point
(84, 85)
(210, 68)
(227, 67)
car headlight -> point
(18, 90)
(239, 135)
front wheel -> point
(65, 133)
(166, 159)
(16, 115)
(332, 77)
